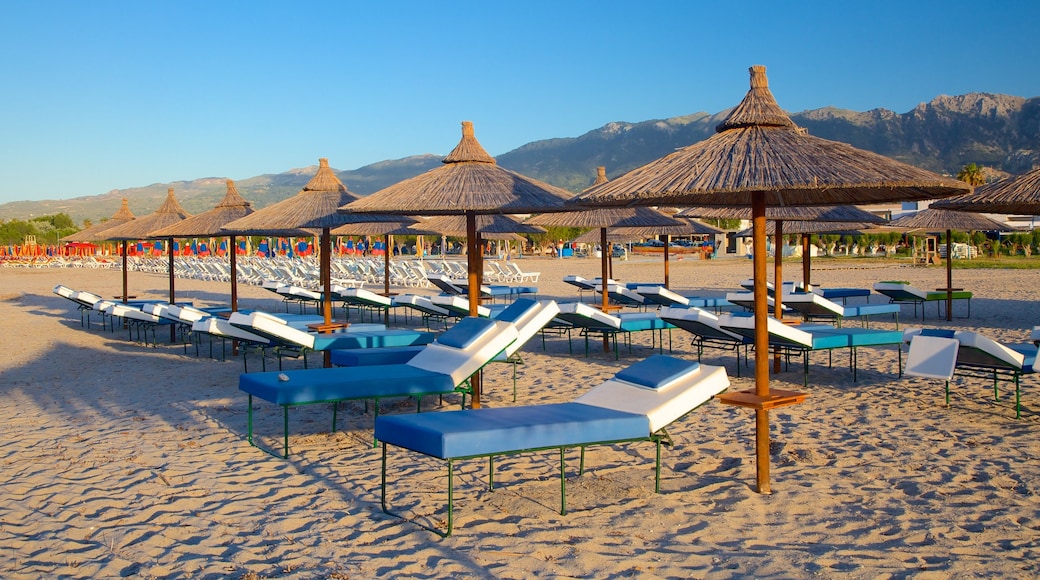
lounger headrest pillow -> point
(656, 371)
(517, 310)
(465, 332)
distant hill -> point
(999, 132)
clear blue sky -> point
(106, 94)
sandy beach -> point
(124, 460)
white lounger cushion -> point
(663, 292)
(220, 327)
(894, 287)
(460, 364)
(366, 296)
(817, 301)
(661, 406)
(582, 309)
(775, 327)
(132, 312)
(990, 347)
(530, 324)
(64, 291)
(458, 304)
(299, 292)
(271, 324)
(932, 357)
(420, 303)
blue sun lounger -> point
(815, 307)
(443, 367)
(592, 321)
(296, 342)
(807, 338)
(637, 404)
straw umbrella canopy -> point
(211, 223)
(312, 213)
(469, 183)
(937, 220)
(97, 231)
(169, 213)
(1018, 195)
(760, 158)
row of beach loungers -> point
(637, 404)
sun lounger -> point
(746, 300)
(704, 326)
(217, 328)
(661, 296)
(443, 367)
(458, 306)
(528, 316)
(843, 294)
(805, 339)
(424, 306)
(297, 342)
(933, 351)
(815, 307)
(904, 293)
(592, 321)
(447, 285)
(621, 295)
(362, 300)
(301, 296)
(84, 301)
(583, 285)
(637, 404)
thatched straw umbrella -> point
(470, 182)
(210, 223)
(760, 158)
(1018, 195)
(96, 231)
(169, 213)
(312, 212)
(937, 220)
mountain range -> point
(1000, 133)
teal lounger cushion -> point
(465, 332)
(366, 357)
(861, 336)
(656, 371)
(374, 339)
(455, 434)
(342, 383)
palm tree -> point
(972, 174)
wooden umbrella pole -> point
(604, 277)
(233, 247)
(386, 275)
(325, 261)
(758, 213)
(778, 283)
(475, 278)
(169, 253)
(667, 240)
(125, 264)
(234, 274)
(806, 249)
(949, 276)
